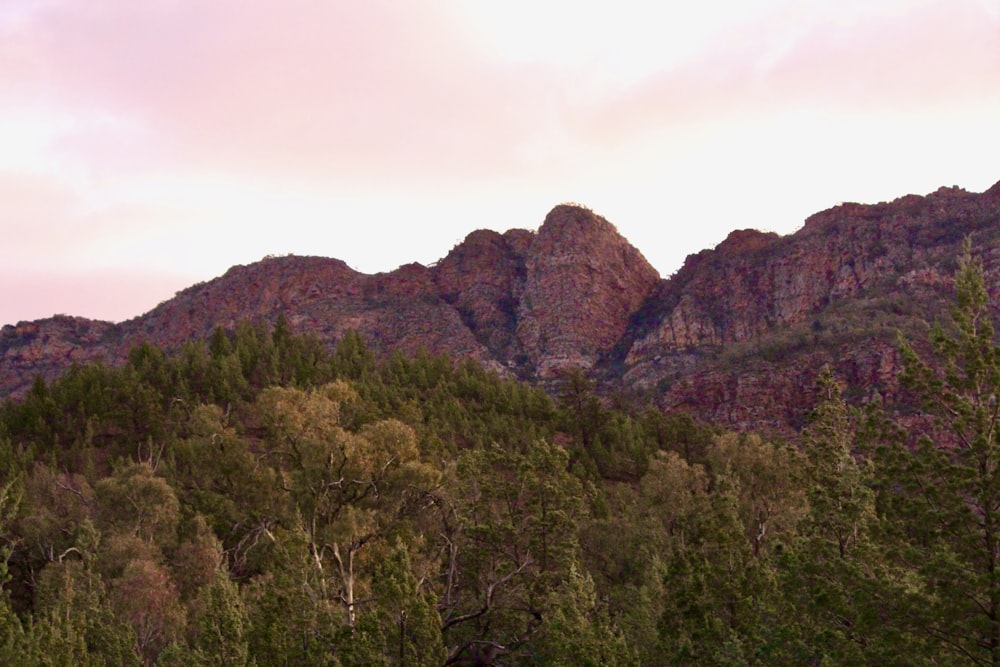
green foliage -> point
(135, 501)
(257, 499)
(408, 619)
(834, 570)
(579, 630)
(75, 618)
(942, 498)
(219, 624)
(288, 623)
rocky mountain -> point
(736, 335)
(525, 303)
(740, 330)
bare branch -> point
(76, 492)
(488, 602)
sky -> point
(146, 146)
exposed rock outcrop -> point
(522, 302)
(49, 347)
(740, 329)
(583, 281)
(736, 336)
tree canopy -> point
(257, 499)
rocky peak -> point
(735, 335)
(257, 292)
(583, 281)
(753, 282)
(572, 224)
(993, 193)
(482, 278)
(542, 301)
(523, 301)
(745, 240)
(741, 329)
(519, 240)
(410, 281)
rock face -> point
(738, 333)
(48, 347)
(482, 279)
(736, 336)
(582, 283)
(522, 302)
(542, 302)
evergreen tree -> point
(943, 493)
(407, 612)
(220, 621)
(515, 542)
(835, 580)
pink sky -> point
(150, 145)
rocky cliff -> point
(736, 335)
(740, 331)
(525, 303)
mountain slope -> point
(736, 335)
(742, 329)
(527, 303)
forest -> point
(257, 499)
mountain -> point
(737, 335)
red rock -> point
(735, 336)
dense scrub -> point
(257, 499)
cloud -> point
(34, 214)
(339, 89)
(938, 53)
(337, 92)
(187, 137)
(930, 54)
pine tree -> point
(944, 497)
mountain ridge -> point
(735, 334)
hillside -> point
(261, 496)
(734, 335)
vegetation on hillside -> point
(258, 500)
